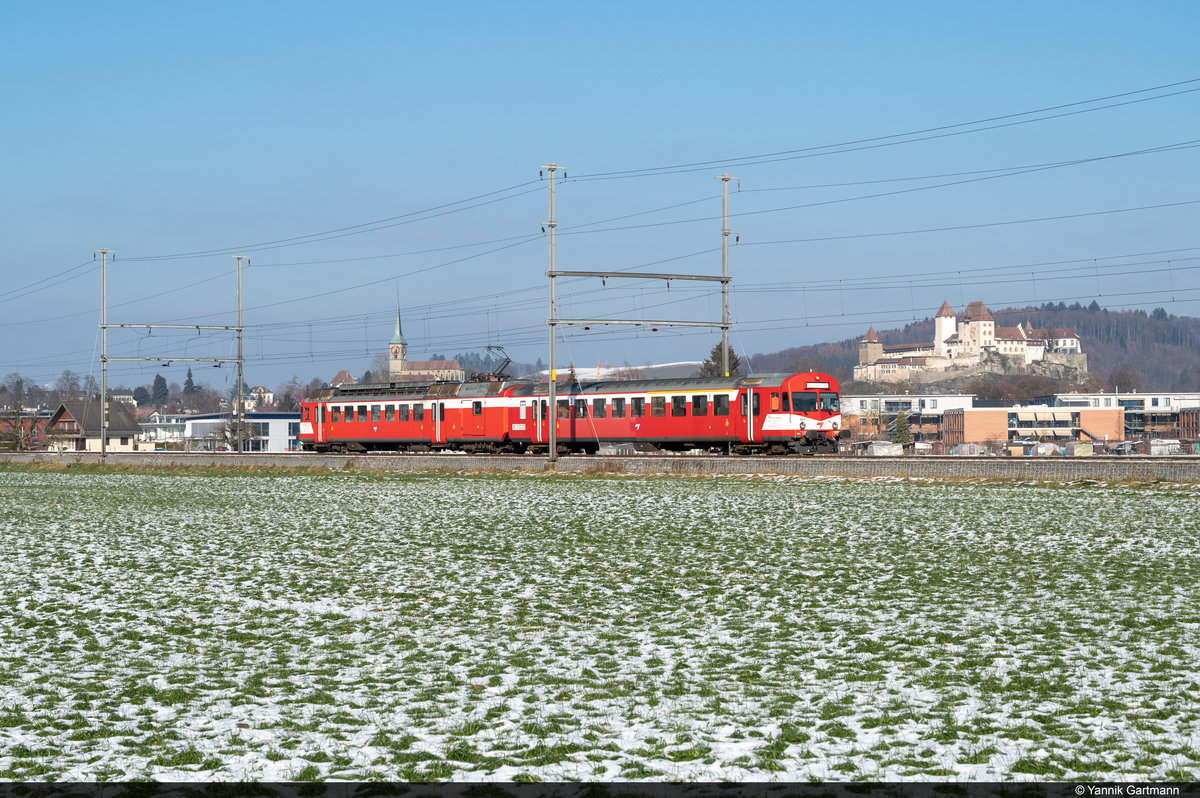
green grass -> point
(454, 626)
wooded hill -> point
(1153, 351)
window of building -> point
(678, 405)
(598, 408)
(700, 405)
(933, 404)
(658, 406)
(1108, 401)
(1154, 402)
(618, 408)
(720, 405)
(637, 407)
(862, 404)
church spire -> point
(398, 338)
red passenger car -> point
(766, 413)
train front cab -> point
(803, 414)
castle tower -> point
(397, 349)
(870, 348)
(943, 328)
(977, 327)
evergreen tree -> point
(901, 431)
(189, 386)
(159, 393)
(572, 377)
(712, 366)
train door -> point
(472, 419)
(439, 415)
(541, 408)
(751, 406)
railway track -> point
(1101, 468)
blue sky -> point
(164, 131)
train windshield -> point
(829, 401)
(804, 402)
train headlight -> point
(803, 425)
(835, 425)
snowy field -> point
(354, 626)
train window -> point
(522, 409)
(441, 411)
(337, 414)
(564, 408)
(375, 412)
(774, 401)
(720, 405)
(418, 412)
(477, 409)
(757, 405)
(598, 409)
(699, 405)
(829, 401)
(804, 402)
(544, 408)
(785, 404)
(637, 407)
(362, 412)
(322, 414)
(402, 412)
(745, 403)
(389, 413)
(679, 405)
(581, 408)
(618, 408)
(658, 406)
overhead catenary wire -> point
(890, 139)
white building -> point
(266, 432)
(962, 341)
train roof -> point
(418, 390)
(682, 384)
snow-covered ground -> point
(497, 627)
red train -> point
(764, 413)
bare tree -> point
(287, 395)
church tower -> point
(397, 349)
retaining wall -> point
(1183, 470)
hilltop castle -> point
(971, 343)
